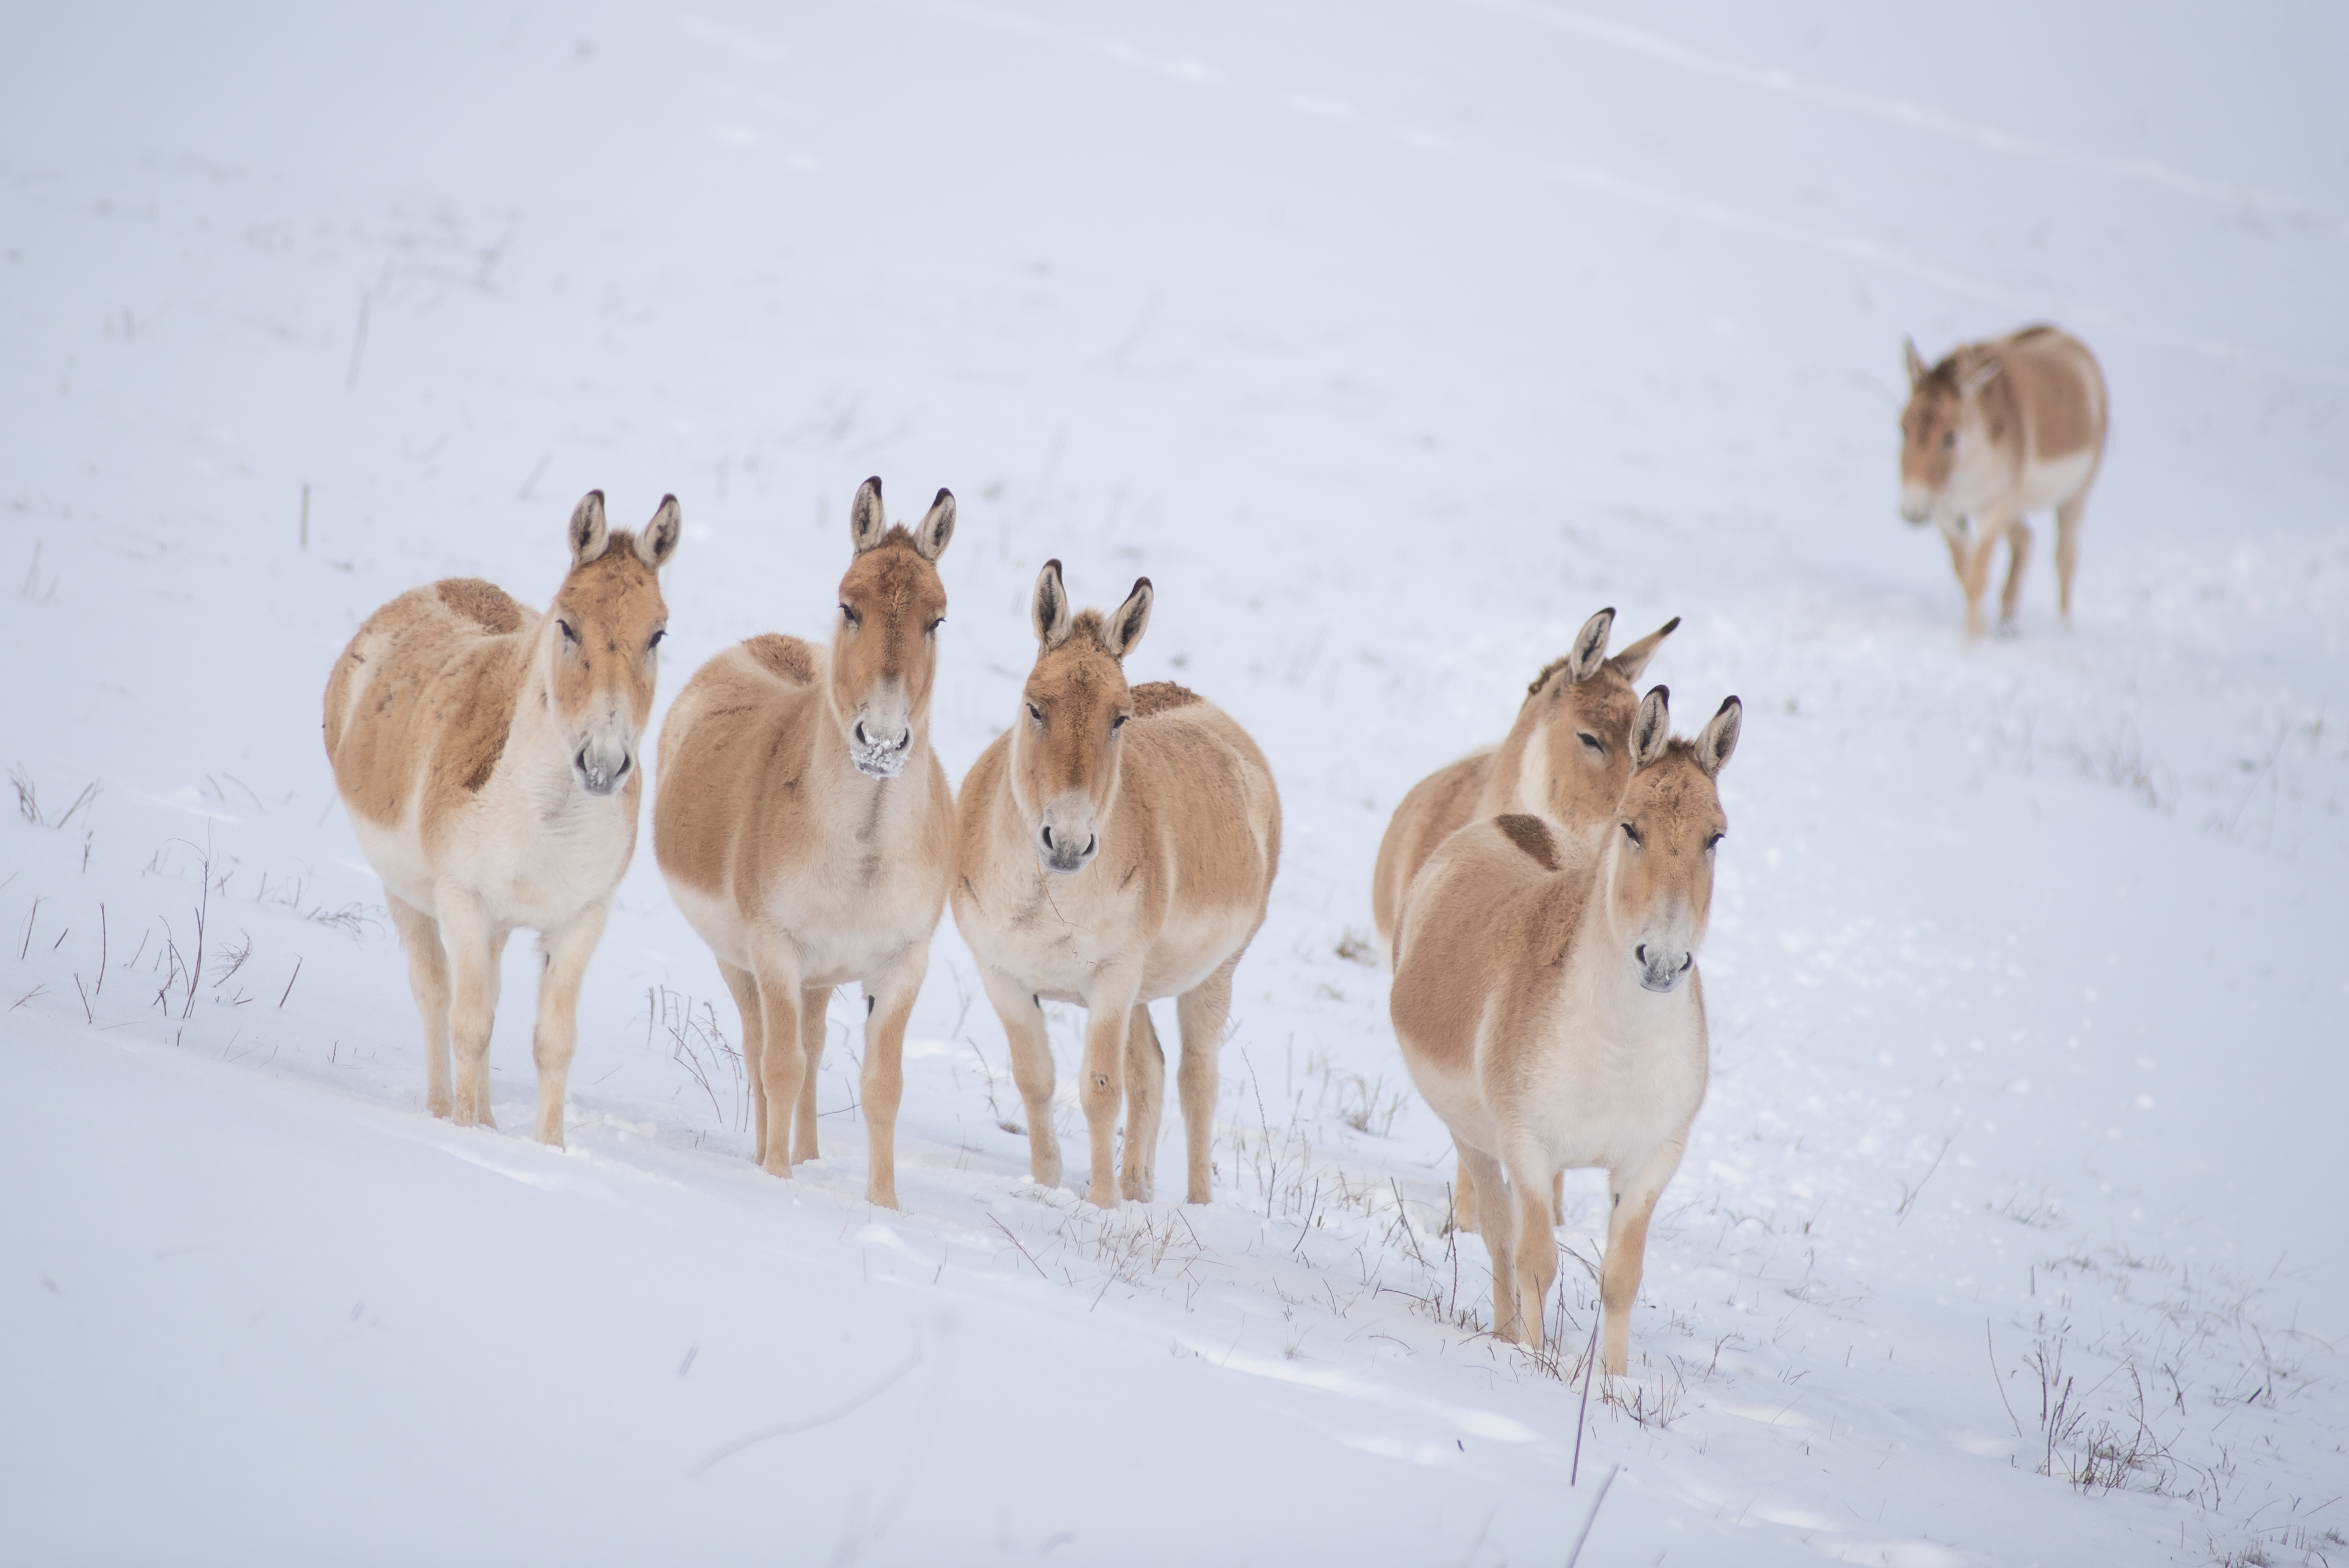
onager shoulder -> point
(785, 658)
(426, 687)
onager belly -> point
(2046, 484)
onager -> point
(807, 830)
(1995, 430)
(1548, 1007)
(487, 756)
(1117, 845)
(1566, 759)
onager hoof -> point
(437, 1103)
(777, 1165)
(1100, 1195)
(881, 1195)
(1135, 1187)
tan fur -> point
(1544, 766)
(1184, 824)
(801, 868)
(1995, 431)
(487, 756)
(1549, 1008)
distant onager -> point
(487, 756)
(1117, 845)
(807, 830)
(1995, 431)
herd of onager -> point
(1541, 902)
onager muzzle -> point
(1069, 835)
(882, 736)
(604, 760)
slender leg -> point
(428, 977)
(782, 1065)
(1031, 1067)
(745, 990)
(890, 1002)
(1101, 1086)
(1145, 1100)
(815, 1024)
(1464, 1196)
(556, 1037)
(474, 951)
(1978, 551)
(1634, 1192)
(1530, 1183)
(1498, 1229)
(2067, 545)
(2018, 557)
(1203, 1011)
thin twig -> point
(1992, 1346)
(289, 982)
(827, 1419)
(1590, 1363)
(1587, 1523)
(1023, 1251)
(1902, 1213)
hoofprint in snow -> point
(1390, 352)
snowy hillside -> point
(1390, 341)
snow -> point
(1391, 342)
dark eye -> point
(1037, 714)
(570, 632)
(1591, 741)
(656, 639)
(1949, 439)
(1118, 723)
(851, 616)
(1631, 833)
(931, 630)
(1714, 840)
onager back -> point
(1548, 1004)
(487, 756)
(807, 830)
(1995, 430)
(1117, 845)
(1564, 760)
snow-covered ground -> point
(1390, 341)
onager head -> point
(1577, 762)
(607, 620)
(1064, 747)
(1659, 867)
(885, 652)
(1941, 431)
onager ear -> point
(658, 542)
(1652, 729)
(1720, 737)
(1051, 607)
(1914, 360)
(1132, 618)
(866, 521)
(1631, 661)
(1591, 645)
(1982, 375)
(930, 539)
(586, 535)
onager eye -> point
(655, 641)
(1714, 840)
(1632, 833)
(1591, 741)
(570, 632)
(931, 630)
(851, 617)
(1119, 722)
(1037, 714)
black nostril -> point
(861, 738)
(1640, 952)
(625, 763)
(1093, 843)
(1048, 838)
(580, 761)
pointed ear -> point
(1132, 619)
(1052, 611)
(1652, 728)
(1720, 737)
(1631, 661)
(1980, 376)
(658, 542)
(866, 521)
(588, 535)
(1591, 645)
(930, 539)
(1914, 360)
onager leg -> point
(2068, 513)
(1031, 1067)
(1463, 1198)
(1499, 1232)
(556, 1038)
(1145, 1098)
(782, 1065)
(1100, 1084)
(1537, 1249)
(745, 990)
(473, 954)
(1203, 1011)
(1633, 1192)
(1975, 577)
(815, 1028)
(889, 1002)
(2018, 557)
(428, 977)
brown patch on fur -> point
(786, 658)
(486, 604)
(1160, 696)
(1531, 835)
